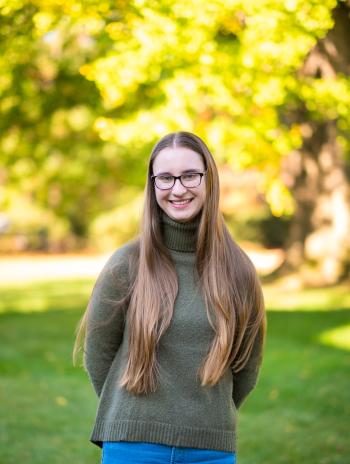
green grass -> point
(299, 413)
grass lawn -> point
(299, 413)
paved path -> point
(38, 267)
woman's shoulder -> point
(122, 257)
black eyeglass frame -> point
(201, 174)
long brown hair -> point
(228, 280)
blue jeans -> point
(127, 452)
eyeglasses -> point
(190, 180)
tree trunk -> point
(319, 241)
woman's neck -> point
(179, 236)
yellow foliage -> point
(279, 198)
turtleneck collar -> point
(179, 236)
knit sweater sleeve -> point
(105, 319)
(246, 379)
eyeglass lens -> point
(187, 180)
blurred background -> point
(86, 90)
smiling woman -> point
(179, 195)
(175, 324)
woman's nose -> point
(178, 187)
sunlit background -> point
(86, 90)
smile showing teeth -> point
(183, 202)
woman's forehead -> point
(177, 159)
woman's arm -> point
(105, 319)
(245, 380)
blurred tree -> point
(49, 149)
(318, 172)
(238, 73)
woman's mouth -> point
(180, 203)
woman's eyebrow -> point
(182, 172)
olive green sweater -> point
(181, 412)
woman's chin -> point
(181, 216)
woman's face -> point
(180, 203)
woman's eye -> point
(165, 178)
(189, 176)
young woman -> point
(175, 326)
